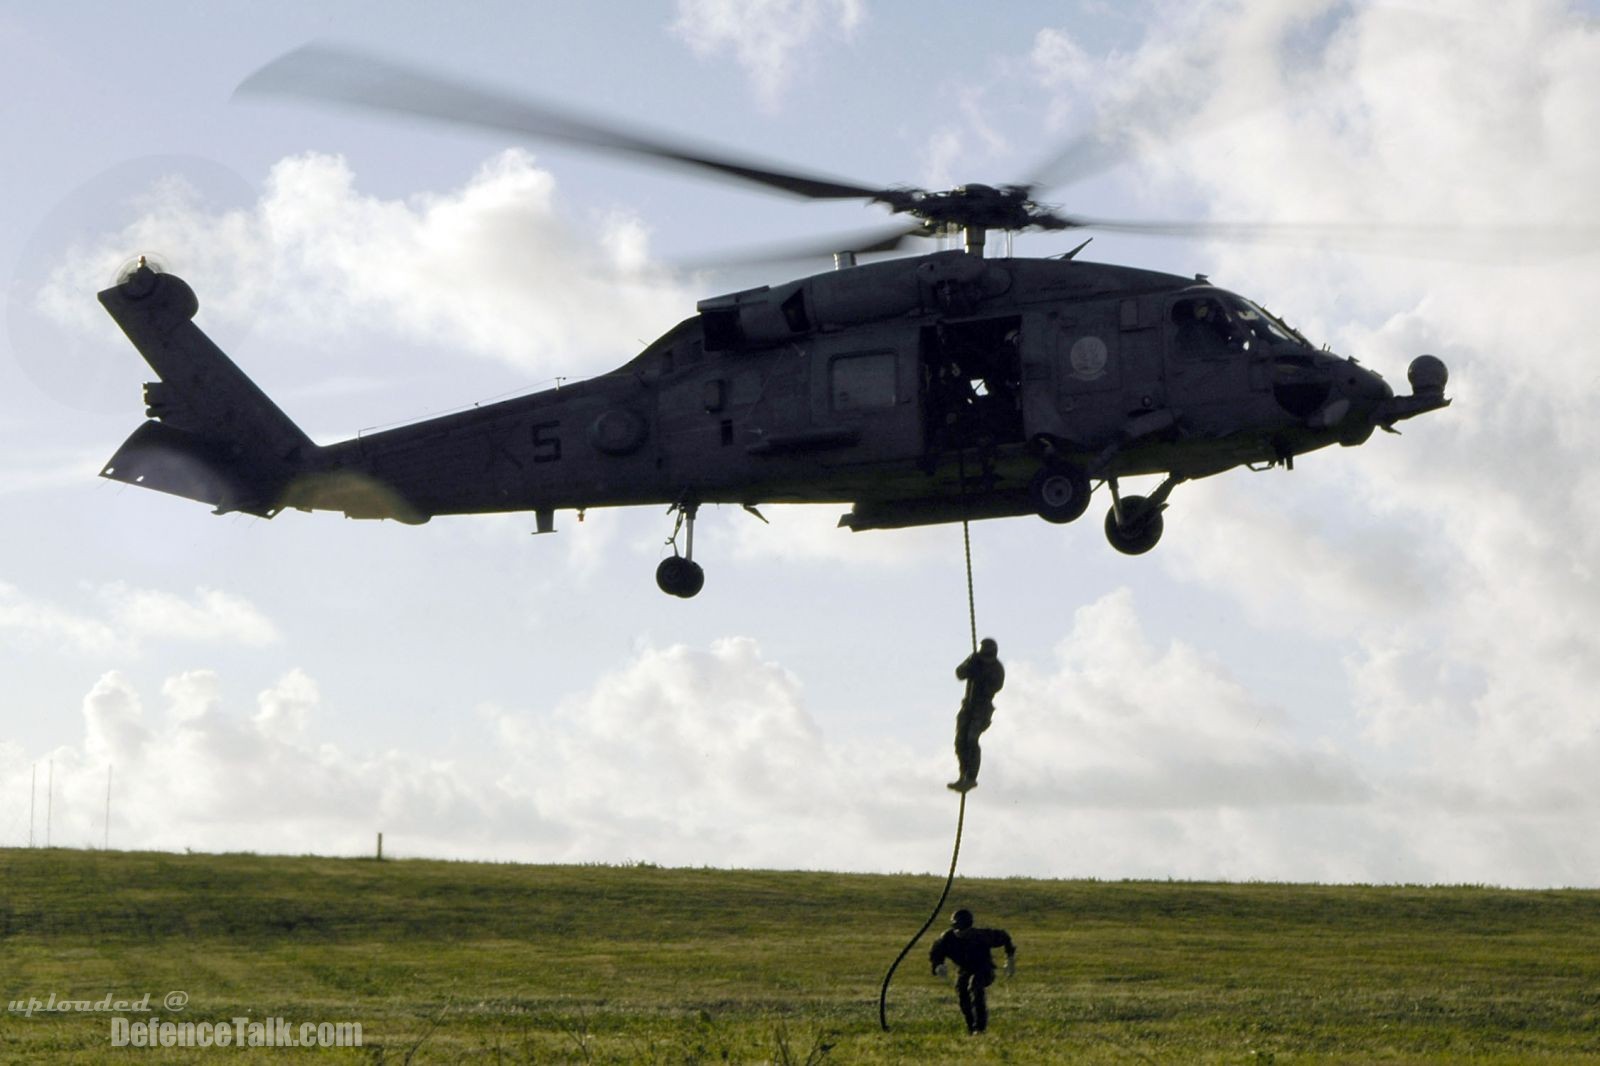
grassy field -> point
(448, 962)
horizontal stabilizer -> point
(171, 460)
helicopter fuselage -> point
(918, 390)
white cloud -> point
(28, 620)
(1116, 723)
(1059, 62)
(212, 615)
(208, 776)
(129, 618)
(1453, 566)
(692, 756)
(47, 469)
(490, 266)
(1451, 571)
(1125, 759)
(1117, 758)
(968, 137)
(1287, 550)
(113, 718)
(767, 37)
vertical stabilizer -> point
(213, 435)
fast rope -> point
(966, 547)
(883, 993)
(961, 816)
(972, 603)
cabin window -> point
(863, 382)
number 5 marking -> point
(546, 444)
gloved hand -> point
(1011, 966)
(941, 970)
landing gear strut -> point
(1134, 523)
(680, 575)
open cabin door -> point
(973, 382)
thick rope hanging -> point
(883, 993)
(966, 547)
(972, 603)
(961, 816)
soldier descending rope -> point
(984, 676)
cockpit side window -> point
(1203, 326)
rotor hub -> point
(973, 206)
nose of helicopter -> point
(1355, 395)
(1368, 390)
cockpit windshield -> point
(1212, 324)
(1260, 322)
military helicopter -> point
(934, 388)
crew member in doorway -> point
(984, 677)
(969, 948)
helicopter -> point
(936, 388)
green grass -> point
(446, 962)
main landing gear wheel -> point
(1139, 529)
(680, 577)
(1060, 492)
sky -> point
(1376, 668)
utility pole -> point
(107, 845)
(33, 795)
(49, 800)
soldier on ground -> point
(969, 948)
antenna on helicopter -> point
(1074, 253)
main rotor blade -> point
(865, 242)
(336, 75)
(1421, 240)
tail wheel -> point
(1060, 493)
(677, 576)
(1140, 528)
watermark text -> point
(235, 1032)
(106, 1004)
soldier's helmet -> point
(961, 919)
(988, 646)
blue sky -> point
(1375, 668)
